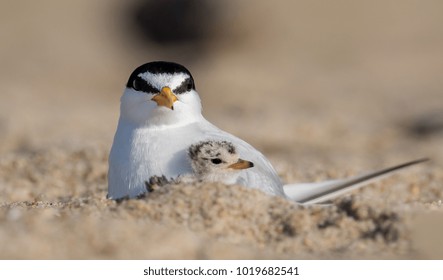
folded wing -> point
(310, 193)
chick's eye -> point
(216, 161)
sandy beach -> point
(324, 91)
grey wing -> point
(310, 193)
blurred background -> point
(324, 88)
(309, 81)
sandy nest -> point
(60, 211)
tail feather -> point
(310, 193)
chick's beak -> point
(165, 98)
(241, 164)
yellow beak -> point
(241, 164)
(165, 98)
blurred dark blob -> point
(172, 22)
(426, 125)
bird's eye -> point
(140, 85)
(185, 86)
(136, 84)
(190, 86)
(216, 161)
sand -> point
(323, 92)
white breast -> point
(139, 153)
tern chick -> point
(211, 161)
(216, 161)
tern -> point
(161, 117)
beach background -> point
(325, 89)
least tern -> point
(160, 118)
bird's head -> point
(216, 161)
(160, 93)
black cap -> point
(159, 67)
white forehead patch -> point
(160, 80)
